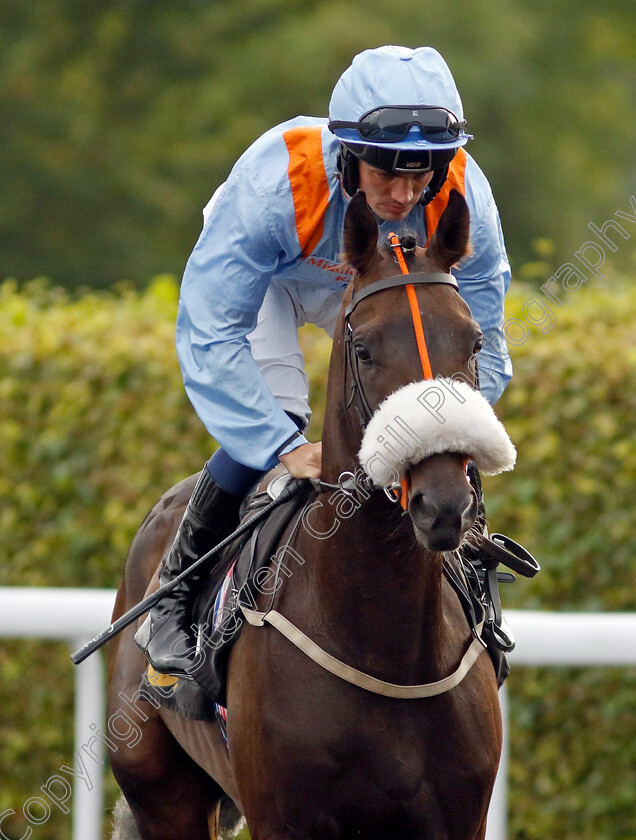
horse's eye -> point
(362, 353)
(478, 344)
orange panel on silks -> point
(309, 185)
(456, 180)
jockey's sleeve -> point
(484, 278)
(223, 287)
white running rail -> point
(74, 616)
(77, 615)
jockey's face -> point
(392, 195)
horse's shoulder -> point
(156, 532)
(176, 497)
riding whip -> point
(142, 607)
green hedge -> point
(94, 425)
(570, 411)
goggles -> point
(392, 123)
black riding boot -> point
(166, 637)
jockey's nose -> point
(402, 190)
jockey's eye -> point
(362, 352)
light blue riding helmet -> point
(398, 109)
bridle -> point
(348, 484)
(357, 398)
(408, 281)
(360, 403)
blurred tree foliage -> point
(120, 118)
(94, 426)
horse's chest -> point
(395, 754)
(381, 767)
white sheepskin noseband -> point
(430, 417)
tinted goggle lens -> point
(392, 124)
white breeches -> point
(289, 305)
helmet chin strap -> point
(348, 171)
(394, 242)
(437, 182)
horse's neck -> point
(378, 593)
(370, 544)
(375, 583)
(378, 588)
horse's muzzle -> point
(440, 524)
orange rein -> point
(394, 242)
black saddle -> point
(215, 611)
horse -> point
(309, 755)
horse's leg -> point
(481, 834)
(169, 793)
(170, 796)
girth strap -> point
(352, 675)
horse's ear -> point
(450, 241)
(360, 234)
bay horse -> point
(309, 755)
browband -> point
(400, 280)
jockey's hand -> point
(305, 461)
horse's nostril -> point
(423, 512)
(470, 514)
(441, 524)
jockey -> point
(268, 261)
